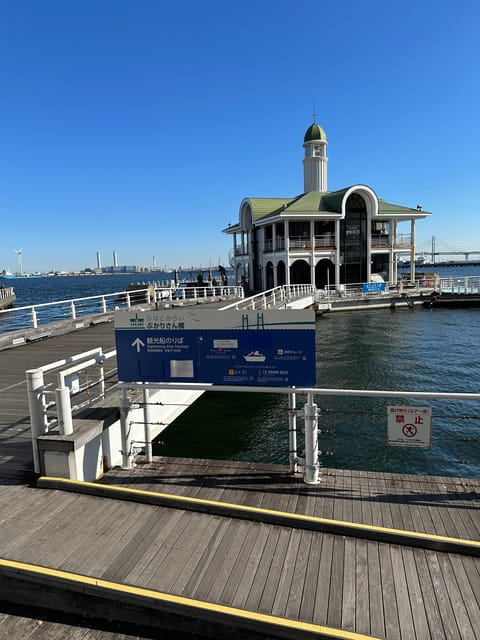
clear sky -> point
(140, 125)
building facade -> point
(321, 237)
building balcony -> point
(383, 241)
(240, 250)
(323, 242)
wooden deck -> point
(349, 583)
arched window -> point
(353, 241)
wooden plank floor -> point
(16, 462)
(385, 590)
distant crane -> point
(19, 257)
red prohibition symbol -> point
(409, 430)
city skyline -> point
(140, 127)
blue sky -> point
(140, 125)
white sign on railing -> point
(409, 426)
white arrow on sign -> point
(138, 343)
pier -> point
(225, 549)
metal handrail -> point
(273, 298)
(121, 297)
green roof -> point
(262, 207)
(327, 203)
(386, 208)
(314, 132)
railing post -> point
(146, 420)
(72, 309)
(38, 416)
(311, 472)
(292, 432)
(34, 318)
(129, 302)
(104, 305)
(64, 411)
(125, 430)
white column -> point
(412, 251)
(337, 253)
(125, 430)
(38, 417)
(312, 253)
(311, 472)
(287, 253)
(292, 432)
(64, 411)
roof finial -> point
(314, 114)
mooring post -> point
(146, 420)
(125, 430)
(312, 467)
(292, 431)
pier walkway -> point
(214, 559)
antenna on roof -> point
(314, 114)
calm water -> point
(423, 350)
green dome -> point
(315, 132)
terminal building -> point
(321, 237)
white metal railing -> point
(467, 284)
(274, 298)
(380, 241)
(309, 413)
(195, 293)
(35, 314)
(300, 242)
(31, 316)
(327, 240)
(50, 400)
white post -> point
(146, 420)
(311, 473)
(38, 417)
(128, 301)
(292, 432)
(104, 305)
(125, 430)
(34, 318)
(72, 309)
(64, 411)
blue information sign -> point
(373, 287)
(258, 348)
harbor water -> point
(410, 350)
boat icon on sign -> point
(255, 356)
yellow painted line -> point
(354, 527)
(200, 605)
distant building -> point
(121, 269)
(320, 237)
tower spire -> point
(315, 160)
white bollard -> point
(64, 411)
(311, 472)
